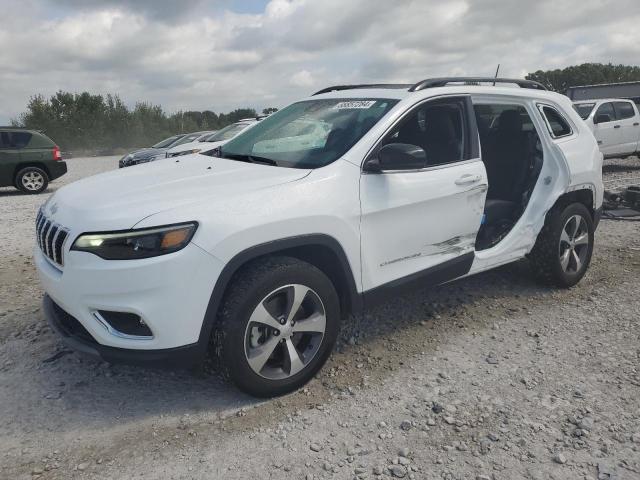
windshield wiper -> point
(250, 159)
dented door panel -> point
(412, 221)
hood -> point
(119, 199)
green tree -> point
(560, 80)
(85, 122)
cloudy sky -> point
(224, 54)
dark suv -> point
(28, 160)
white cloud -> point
(211, 58)
(303, 78)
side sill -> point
(436, 275)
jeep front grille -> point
(51, 238)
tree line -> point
(104, 124)
(560, 80)
(83, 122)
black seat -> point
(496, 211)
(435, 133)
(411, 133)
(441, 139)
(507, 165)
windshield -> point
(187, 139)
(205, 137)
(309, 134)
(583, 109)
(167, 141)
(227, 132)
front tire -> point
(277, 326)
(563, 250)
(32, 180)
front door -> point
(421, 225)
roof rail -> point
(337, 88)
(441, 82)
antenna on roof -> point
(496, 75)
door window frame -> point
(471, 148)
(541, 106)
(617, 112)
(613, 108)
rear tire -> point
(563, 250)
(277, 326)
(32, 180)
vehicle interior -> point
(437, 129)
(513, 157)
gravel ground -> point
(490, 378)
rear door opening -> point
(513, 157)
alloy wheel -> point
(284, 332)
(32, 181)
(574, 244)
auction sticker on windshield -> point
(355, 104)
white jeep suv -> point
(323, 208)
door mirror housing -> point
(397, 156)
(602, 118)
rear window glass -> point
(14, 139)
(4, 140)
(624, 110)
(20, 139)
(558, 126)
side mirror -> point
(602, 118)
(397, 156)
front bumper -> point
(169, 293)
(76, 337)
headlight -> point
(135, 244)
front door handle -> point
(616, 126)
(468, 179)
(635, 124)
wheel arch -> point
(583, 194)
(322, 251)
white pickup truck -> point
(615, 123)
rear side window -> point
(623, 110)
(558, 126)
(20, 139)
(606, 109)
(5, 142)
(14, 139)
